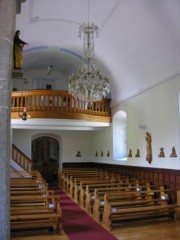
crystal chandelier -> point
(88, 85)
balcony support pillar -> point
(7, 29)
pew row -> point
(34, 212)
(93, 191)
(33, 207)
(117, 211)
(101, 197)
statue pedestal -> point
(17, 73)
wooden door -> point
(45, 155)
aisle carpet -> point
(77, 224)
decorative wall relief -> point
(96, 154)
(78, 154)
(108, 154)
(101, 153)
(161, 154)
(173, 154)
(148, 147)
(130, 153)
(137, 153)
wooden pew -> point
(118, 195)
(24, 183)
(67, 177)
(41, 237)
(65, 174)
(30, 191)
(32, 206)
(31, 219)
(88, 193)
(31, 197)
(52, 205)
(118, 210)
(80, 185)
(76, 182)
(74, 179)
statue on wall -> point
(161, 154)
(78, 154)
(173, 154)
(130, 153)
(137, 153)
(17, 50)
(148, 147)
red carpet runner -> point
(77, 224)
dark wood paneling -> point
(78, 165)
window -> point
(120, 136)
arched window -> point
(120, 136)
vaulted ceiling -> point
(138, 44)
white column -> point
(7, 29)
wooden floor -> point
(151, 230)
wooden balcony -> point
(56, 104)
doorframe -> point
(54, 136)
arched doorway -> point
(45, 155)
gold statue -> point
(130, 153)
(17, 50)
(161, 154)
(173, 154)
(137, 153)
(148, 147)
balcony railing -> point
(58, 104)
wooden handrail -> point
(58, 104)
(21, 159)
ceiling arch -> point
(138, 44)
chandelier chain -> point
(88, 85)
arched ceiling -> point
(138, 44)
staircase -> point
(20, 162)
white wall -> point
(102, 142)
(158, 109)
(70, 143)
(37, 79)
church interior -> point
(90, 119)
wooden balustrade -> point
(21, 159)
(58, 104)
